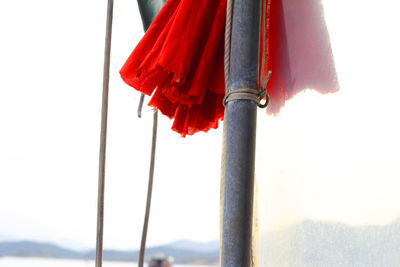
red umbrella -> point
(179, 61)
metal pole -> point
(241, 137)
(149, 191)
(103, 137)
(148, 11)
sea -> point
(44, 262)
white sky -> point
(336, 157)
(330, 157)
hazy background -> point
(50, 98)
(336, 157)
(325, 157)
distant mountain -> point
(306, 244)
(210, 246)
(35, 249)
(62, 242)
(332, 244)
(71, 244)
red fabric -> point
(179, 61)
(298, 50)
(181, 58)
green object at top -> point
(149, 10)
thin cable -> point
(149, 190)
(263, 16)
(227, 44)
(227, 66)
(103, 136)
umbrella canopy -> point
(179, 61)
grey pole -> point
(148, 11)
(103, 137)
(241, 136)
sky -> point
(324, 157)
(335, 157)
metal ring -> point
(260, 105)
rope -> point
(255, 95)
(249, 94)
(227, 66)
(149, 190)
(103, 136)
(264, 11)
(227, 48)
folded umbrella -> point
(179, 61)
